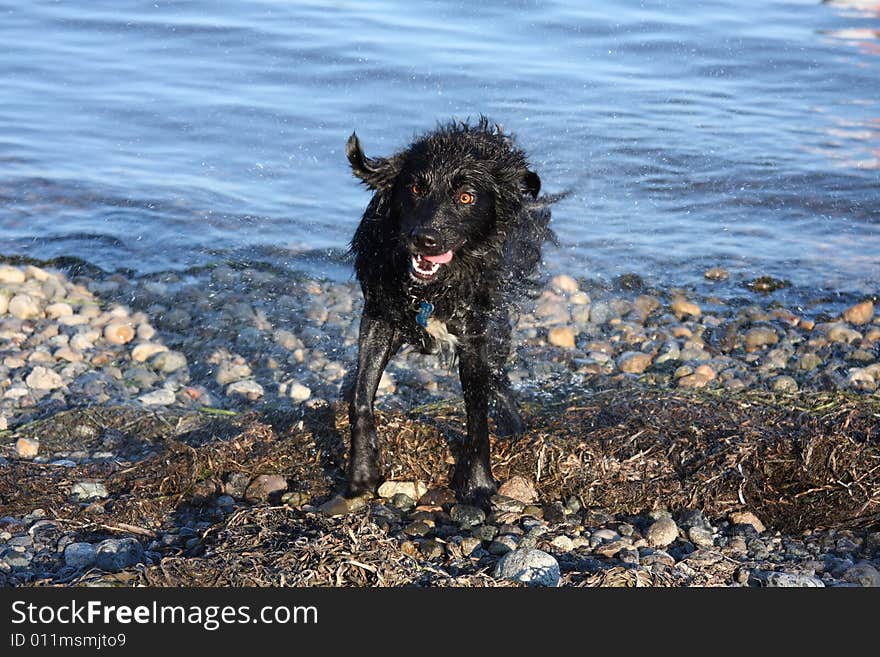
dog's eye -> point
(466, 198)
(416, 189)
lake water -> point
(156, 136)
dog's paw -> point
(505, 412)
(474, 486)
(362, 481)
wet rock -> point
(80, 555)
(119, 332)
(467, 516)
(432, 549)
(519, 488)
(809, 361)
(693, 381)
(842, 333)
(230, 372)
(437, 497)
(265, 486)
(504, 544)
(684, 308)
(27, 448)
(634, 362)
(760, 336)
(10, 274)
(23, 306)
(859, 314)
(59, 309)
(565, 283)
(747, 518)
(716, 274)
(403, 502)
(662, 532)
(247, 388)
(412, 489)
(114, 555)
(161, 397)
(785, 384)
(532, 567)
(145, 350)
(298, 392)
(863, 574)
(168, 361)
(42, 378)
(561, 336)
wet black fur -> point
(496, 243)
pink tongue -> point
(441, 259)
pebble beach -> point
(233, 340)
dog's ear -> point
(376, 173)
(531, 183)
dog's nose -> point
(425, 238)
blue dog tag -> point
(425, 310)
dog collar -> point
(424, 313)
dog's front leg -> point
(473, 475)
(377, 343)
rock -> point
(565, 283)
(236, 484)
(634, 362)
(387, 384)
(519, 488)
(114, 555)
(605, 534)
(23, 306)
(760, 336)
(530, 566)
(789, 580)
(264, 486)
(143, 351)
(298, 392)
(785, 384)
(809, 361)
(504, 504)
(80, 555)
(4, 423)
(692, 381)
(59, 309)
(859, 314)
(403, 502)
(118, 332)
(231, 372)
(747, 518)
(437, 497)
(863, 574)
(168, 361)
(4, 303)
(684, 308)
(340, 506)
(504, 544)
(716, 274)
(662, 532)
(841, 333)
(41, 378)
(561, 336)
(700, 537)
(417, 528)
(469, 545)
(247, 388)
(432, 549)
(10, 274)
(89, 490)
(295, 498)
(27, 448)
(563, 543)
(412, 489)
(160, 397)
(467, 516)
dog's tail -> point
(526, 241)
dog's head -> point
(449, 193)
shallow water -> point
(154, 136)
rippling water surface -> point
(155, 136)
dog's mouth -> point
(424, 268)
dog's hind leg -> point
(472, 478)
(504, 409)
(377, 343)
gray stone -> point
(168, 361)
(115, 554)
(467, 516)
(161, 397)
(663, 532)
(42, 378)
(264, 486)
(89, 490)
(80, 555)
(532, 567)
(246, 388)
(789, 580)
(863, 574)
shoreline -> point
(245, 350)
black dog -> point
(450, 239)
